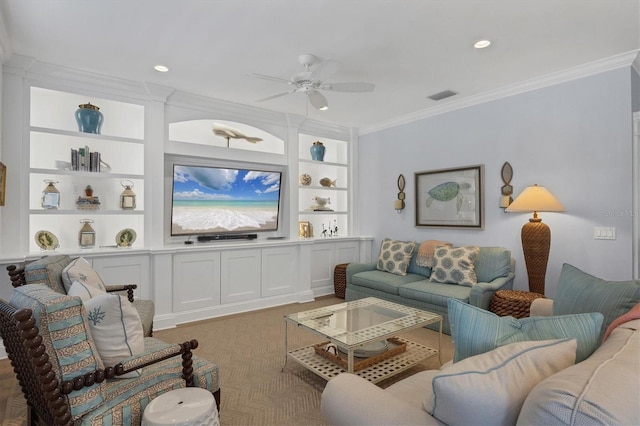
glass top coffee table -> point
(362, 338)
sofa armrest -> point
(481, 293)
(350, 400)
(354, 268)
(541, 308)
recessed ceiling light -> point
(324, 108)
(161, 68)
(481, 44)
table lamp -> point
(536, 236)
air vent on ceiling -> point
(442, 95)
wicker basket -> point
(397, 346)
(515, 303)
(340, 279)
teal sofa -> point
(494, 267)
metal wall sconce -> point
(507, 174)
(399, 203)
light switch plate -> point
(604, 233)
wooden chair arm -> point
(100, 375)
(122, 287)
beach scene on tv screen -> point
(215, 200)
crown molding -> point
(90, 82)
(5, 44)
(615, 62)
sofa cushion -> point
(395, 255)
(383, 281)
(455, 265)
(414, 268)
(489, 389)
(47, 271)
(66, 334)
(492, 263)
(475, 331)
(580, 292)
(127, 399)
(601, 390)
(434, 293)
(116, 329)
(81, 270)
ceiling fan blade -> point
(270, 78)
(318, 100)
(277, 95)
(355, 87)
(325, 69)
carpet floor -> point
(248, 348)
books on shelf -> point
(85, 160)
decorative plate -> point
(126, 237)
(46, 240)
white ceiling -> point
(409, 49)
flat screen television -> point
(208, 200)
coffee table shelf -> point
(382, 370)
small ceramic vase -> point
(317, 151)
(89, 118)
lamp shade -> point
(536, 199)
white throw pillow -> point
(84, 291)
(80, 270)
(116, 329)
(491, 388)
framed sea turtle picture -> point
(450, 198)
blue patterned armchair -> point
(48, 338)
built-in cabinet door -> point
(279, 270)
(196, 280)
(346, 252)
(321, 263)
(125, 270)
(240, 279)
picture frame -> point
(450, 198)
(3, 183)
(304, 230)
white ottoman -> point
(185, 406)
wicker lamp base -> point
(536, 241)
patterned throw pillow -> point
(116, 329)
(80, 270)
(395, 256)
(455, 265)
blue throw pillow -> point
(475, 331)
(580, 292)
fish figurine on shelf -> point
(328, 183)
(321, 203)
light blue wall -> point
(635, 90)
(575, 138)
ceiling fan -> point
(311, 82)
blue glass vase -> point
(317, 151)
(89, 118)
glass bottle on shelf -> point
(50, 195)
(87, 235)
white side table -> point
(185, 406)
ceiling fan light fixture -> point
(481, 44)
(161, 68)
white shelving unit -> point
(53, 133)
(335, 167)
